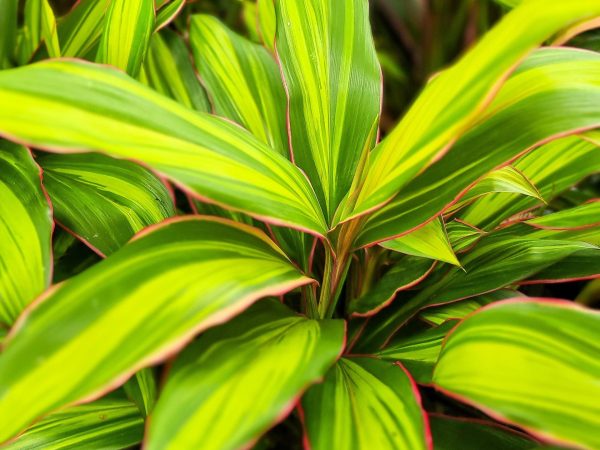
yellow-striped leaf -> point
(333, 83)
(531, 363)
(154, 295)
(103, 424)
(231, 385)
(267, 23)
(582, 216)
(429, 241)
(127, 30)
(103, 200)
(167, 13)
(363, 404)
(453, 100)
(209, 156)
(40, 24)
(142, 389)
(242, 79)
(168, 69)
(25, 232)
(79, 31)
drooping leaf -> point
(531, 363)
(213, 158)
(453, 433)
(142, 389)
(168, 69)
(583, 216)
(154, 295)
(25, 232)
(419, 352)
(79, 31)
(127, 30)
(429, 241)
(365, 403)
(553, 168)
(542, 101)
(332, 76)
(406, 273)
(103, 424)
(242, 79)
(452, 100)
(103, 200)
(167, 13)
(232, 384)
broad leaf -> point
(453, 433)
(365, 403)
(429, 241)
(103, 200)
(542, 101)
(332, 77)
(168, 69)
(531, 363)
(232, 384)
(453, 100)
(418, 352)
(213, 158)
(242, 79)
(103, 424)
(79, 31)
(25, 232)
(154, 295)
(127, 30)
(583, 216)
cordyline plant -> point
(319, 275)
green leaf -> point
(8, 31)
(25, 232)
(154, 295)
(242, 79)
(429, 241)
(364, 403)
(542, 101)
(169, 70)
(506, 179)
(40, 24)
(127, 30)
(167, 13)
(142, 390)
(406, 273)
(209, 156)
(418, 352)
(103, 200)
(462, 235)
(232, 384)
(582, 216)
(333, 82)
(530, 363)
(79, 31)
(454, 433)
(103, 424)
(267, 22)
(453, 100)
(553, 168)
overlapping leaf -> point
(79, 31)
(25, 232)
(531, 363)
(365, 403)
(153, 295)
(232, 384)
(103, 200)
(209, 156)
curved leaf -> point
(333, 82)
(79, 31)
(364, 403)
(214, 158)
(103, 200)
(25, 232)
(542, 101)
(232, 384)
(531, 363)
(127, 30)
(168, 13)
(243, 80)
(154, 295)
(39, 24)
(142, 390)
(582, 216)
(106, 424)
(453, 100)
